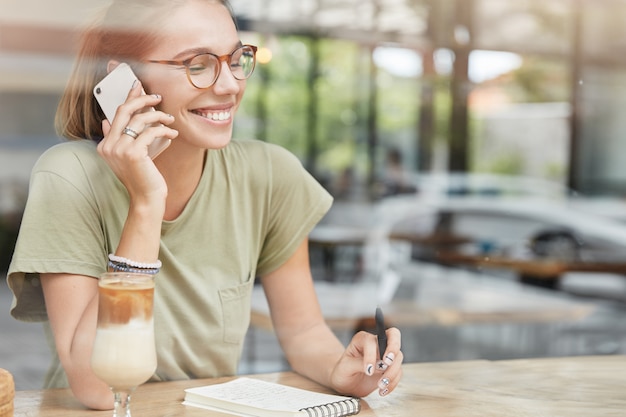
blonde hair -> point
(127, 31)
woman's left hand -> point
(360, 370)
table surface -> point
(546, 268)
(437, 301)
(335, 235)
(568, 387)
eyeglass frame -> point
(220, 58)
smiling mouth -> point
(217, 116)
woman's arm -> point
(311, 348)
(71, 300)
(304, 336)
(72, 306)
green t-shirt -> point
(254, 205)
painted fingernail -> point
(156, 95)
(383, 383)
(369, 369)
(135, 83)
(383, 392)
(381, 366)
(389, 358)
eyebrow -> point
(198, 51)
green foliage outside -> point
(341, 97)
(333, 135)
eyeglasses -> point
(203, 70)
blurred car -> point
(487, 185)
(539, 227)
(503, 228)
(496, 185)
(501, 215)
(493, 216)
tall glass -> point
(124, 354)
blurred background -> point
(475, 149)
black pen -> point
(380, 332)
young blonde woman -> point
(215, 212)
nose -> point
(226, 82)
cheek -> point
(169, 86)
(173, 101)
(240, 95)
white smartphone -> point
(113, 91)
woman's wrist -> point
(150, 209)
(140, 239)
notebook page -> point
(266, 395)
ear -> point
(112, 64)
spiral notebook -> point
(253, 397)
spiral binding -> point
(336, 409)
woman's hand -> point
(360, 370)
(128, 156)
(311, 347)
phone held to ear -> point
(113, 90)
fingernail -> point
(156, 95)
(135, 83)
(381, 366)
(369, 369)
(389, 358)
(382, 384)
(383, 392)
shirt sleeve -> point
(297, 203)
(60, 233)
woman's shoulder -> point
(67, 157)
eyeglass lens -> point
(204, 69)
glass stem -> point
(122, 403)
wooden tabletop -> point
(430, 239)
(555, 387)
(337, 235)
(546, 268)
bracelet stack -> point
(120, 264)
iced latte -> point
(124, 354)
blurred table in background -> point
(445, 302)
(446, 318)
(329, 238)
(433, 240)
(539, 271)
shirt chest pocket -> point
(235, 303)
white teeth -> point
(224, 115)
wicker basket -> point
(7, 393)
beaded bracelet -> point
(133, 264)
(119, 267)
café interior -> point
(475, 150)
